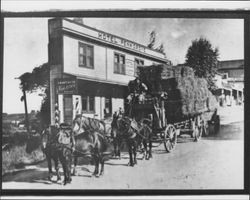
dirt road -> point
(215, 162)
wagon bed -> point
(167, 130)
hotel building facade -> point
(90, 69)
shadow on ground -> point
(27, 175)
(232, 131)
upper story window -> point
(86, 56)
(138, 62)
(119, 63)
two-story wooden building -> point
(90, 69)
(232, 72)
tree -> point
(38, 80)
(161, 49)
(203, 58)
(44, 114)
(152, 39)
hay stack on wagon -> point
(187, 94)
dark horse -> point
(134, 134)
(91, 143)
(144, 137)
(53, 150)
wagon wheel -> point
(196, 131)
(170, 138)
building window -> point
(86, 55)
(88, 104)
(91, 104)
(119, 63)
(138, 62)
(224, 76)
(84, 103)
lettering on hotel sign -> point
(66, 86)
(119, 41)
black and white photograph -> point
(123, 103)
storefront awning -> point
(98, 80)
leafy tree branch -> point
(203, 58)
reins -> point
(142, 136)
(80, 152)
(75, 150)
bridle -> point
(128, 127)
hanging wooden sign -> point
(66, 86)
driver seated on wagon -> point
(137, 90)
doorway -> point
(108, 107)
(68, 109)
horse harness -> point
(66, 144)
(90, 123)
(135, 128)
(90, 128)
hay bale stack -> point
(183, 71)
(153, 76)
(212, 102)
(194, 95)
(155, 72)
(187, 94)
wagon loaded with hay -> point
(176, 102)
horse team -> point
(90, 138)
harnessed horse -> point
(90, 141)
(55, 151)
(134, 134)
(47, 144)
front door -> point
(68, 109)
(108, 107)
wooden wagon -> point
(165, 131)
(176, 102)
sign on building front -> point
(66, 86)
(121, 42)
(130, 68)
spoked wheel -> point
(196, 130)
(205, 131)
(170, 138)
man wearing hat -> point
(137, 90)
(65, 136)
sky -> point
(26, 44)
